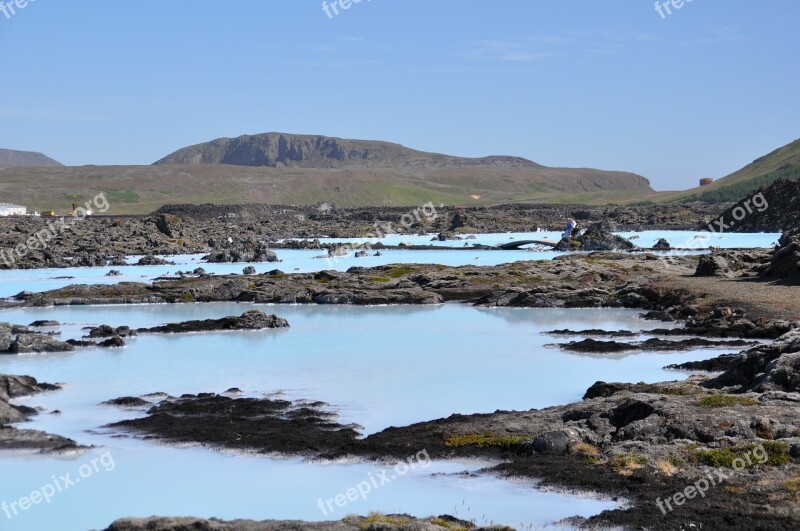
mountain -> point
(278, 150)
(783, 163)
(276, 168)
(10, 157)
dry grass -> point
(584, 449)
(666, 468)
(627, 464)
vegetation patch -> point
(482, 440)
(715, 401)
(626, 464)
(588, 451)
(398, 272)
(777, 454)
(186, 297)
(793, 486)
(122, 196)
(655, 389)
(732, 193)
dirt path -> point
(759, 298)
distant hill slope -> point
(783, 163)
(142, 189)
(277, 150)
(10, 157)
(778, 210)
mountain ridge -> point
(277, 150)
(26, 159)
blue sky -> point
(601, 84)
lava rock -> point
(29, 343)
(249, 320)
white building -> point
(7, 209)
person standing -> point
(571, 226)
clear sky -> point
(604, 84)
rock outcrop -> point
(15, 439)
(249, 320)
(598, 237)
(16, 339)
(785, 262)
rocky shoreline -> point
(241, 233)
(638, 442)
(351, 523)
(643, 443)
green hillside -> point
(783, 163)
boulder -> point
(597, 237)
(42, 324)
(5, 337)
(127, 402)
(27, 343)
(713, 265)
(246, 252)
(168, 225)
(662, 245)
(151, 260)
(785, 262)
(114, 342)
(555, 442)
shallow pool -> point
(378, 367)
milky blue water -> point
(302, 261)
(643, 239)
(378, 367)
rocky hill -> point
(778, 211)
(10, 157)
(385, 161)
(277, 150)
(783, 163)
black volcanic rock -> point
(598, 237)
(779, 210)
(249, 320)
(785, 262)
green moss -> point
(715, 401)
(122, 196)
(777, 454)
(482, 440)
(398, 272)
(676, 461)
(379, 279)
